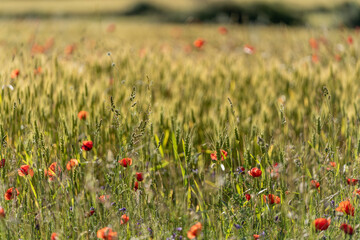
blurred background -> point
(332, 13)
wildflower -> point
(256, 236)
(350, 40)
(347, 228)
(72, 164)
(111, 28)
(139, 176)
(103, 198)
(357, 191)
(313, 43)
(223, 30)
(82, 115)
(125, 162)
(87, 145)
(315, 58)
(338, 57)
(223, 155)
(322, 224)
(10, 193)
(346, 207)
(36, 48)
(248, 197)
(272, 199)
(25, 170)
(194, 231)
(124, 219)
(237, 226)
(69, 49)
(136, 186)
(2, 163)
(90, 213)
(2, 212)
(352, 181)
(15, 73)
(37, 70)
(248, 49)
(331, 165)
(274, 172)
(52, 171)
(106, 233)
(315, 183)
(255, 172)
(199, 43)
(240, 170)
(54, 236)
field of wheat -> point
(118, 129)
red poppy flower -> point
(248, 49)
(322, 224)
(11, 193)
(255, 172)
(194, 231)
(313, 43)
(124, 219)
(350, 40)
(2, 212)
(274, 171)
(315, 183)
(256, 236)
(82, 115)
(87, 145)
(52, 171)
(54, 236)
(139, 176)
(36, 48)
(331, 166)
(104, 198)
(199, 43)
(357, 191)
(223, 155)
(106, 233)
(272, 199)
(248, 197)
(338, 57)
(347, 229)
(111, 28)
(15, 73)
(352, 181)
(69, 49)
(346, 207)
(136, 186)
(37, 70)
(72, 164)
(25, 170)
(89, 214)
(315, 58)
(125, 162)
(2, 163)
(223, 30)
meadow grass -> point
(154, 97)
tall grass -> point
(153, 97)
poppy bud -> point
(139, 176)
